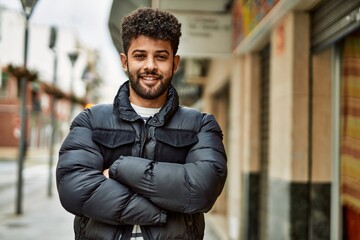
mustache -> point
(150, 72)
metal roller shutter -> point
(332, 20)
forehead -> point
(143, 43)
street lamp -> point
(28, 7)
(73, 56)
(52, 46)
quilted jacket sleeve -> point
(84, 190)
(189, 188)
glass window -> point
(4, 77)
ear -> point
(176, 63)
(124, 61)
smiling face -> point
(150, 65)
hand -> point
(106, 173)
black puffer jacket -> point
(164, 174)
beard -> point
(149, 92)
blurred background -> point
(282, 77)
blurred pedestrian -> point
(143, 167)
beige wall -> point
(289, 77)
(250, 113)
(218, 75)
(321, 117)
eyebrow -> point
(138, 51)
(143, 51)
(163, 51)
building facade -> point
(55, 87)
(288, 101)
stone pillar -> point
(289, 129)
(250, 145)
(235, 149)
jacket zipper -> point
(118, 235)
(143, 138)
(144, 133)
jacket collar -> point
(123, 109)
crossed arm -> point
(85, 191)
(189, 188)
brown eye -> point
(139, 56)
(161, 57)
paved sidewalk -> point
(43, 219)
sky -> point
(89, 18)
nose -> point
(150, 64)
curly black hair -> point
(153, 23)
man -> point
(144, 167)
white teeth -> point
(149, 78)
